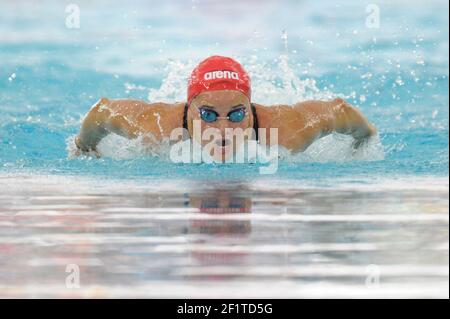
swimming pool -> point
(325, 225)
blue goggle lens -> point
(237, 115)
(210, 116)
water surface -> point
(329, 223)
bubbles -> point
(277, 83)
(339, 148)
(173, 87)
(434, 114)
(11, 77)
(120, 148)
(420, 61)
(399, 81)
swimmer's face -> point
(221, 201)
(211, 109)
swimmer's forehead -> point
(221, 99)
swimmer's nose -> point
(222, 125)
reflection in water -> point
(225, 241)
(217, 202)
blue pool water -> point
(397, 74)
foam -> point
(271, 86)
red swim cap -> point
(218, 73)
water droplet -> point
(434, 114)
(12, 77)
(399, 81)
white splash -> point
(272, 84)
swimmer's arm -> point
(349, 120)
(323, 118)
(107, 117)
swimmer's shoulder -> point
(168, 113)
(138, 109)
(156, 118)
(273, 115)
(138, 106)
(159, 118)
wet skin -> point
(298, 125)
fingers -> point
(356, 144)
(83, 151)
(91, 153)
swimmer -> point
(219, 97)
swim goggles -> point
(235, 116)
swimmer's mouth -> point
(223, 146)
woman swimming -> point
(219, 98)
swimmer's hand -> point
(346, 119)
(82, 150)
(107, 117)
(363, 136)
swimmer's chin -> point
(221, 154)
